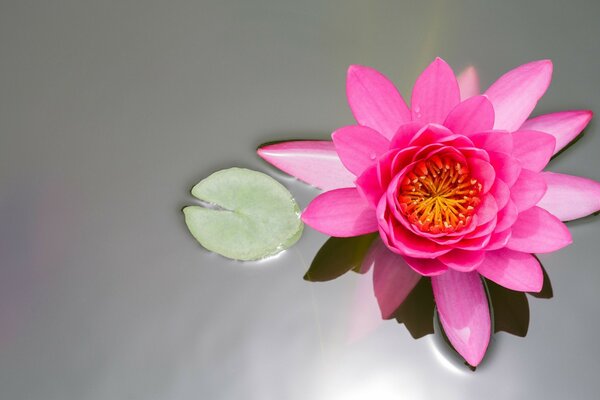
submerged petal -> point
(515, 94)
(313, 161)
(435, 93)
(468, 82)
(375, 101)
(564, 126)
(393, 279)
(570, 197)
(463, 309)
(340, 213)
(513, 270)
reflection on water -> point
(411, 295)
(416, 312)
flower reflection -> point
(408, 297)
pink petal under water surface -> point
(463, 309)
(468, 82)
(393, 279)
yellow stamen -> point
(439, 195)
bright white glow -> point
(378, 386)
(443, 359)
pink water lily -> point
(454, 185)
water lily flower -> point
(454, 185)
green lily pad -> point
(248, 215)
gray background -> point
(111, 110)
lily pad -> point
(248, 215)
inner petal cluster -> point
(439, 195)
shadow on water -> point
(509, 308)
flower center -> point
(439, 195)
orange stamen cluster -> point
(439, 195)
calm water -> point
(111, 111)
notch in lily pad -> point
(246, 215)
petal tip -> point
(261, 152)
(354, 68)
(544, 64)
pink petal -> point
(483, 229)
(538, 231)
(507, 167)
(358, 147)
(429, 134)
(498, 240)
(411, 245)
(393, 279)
(515, 94)
(507, 216)
(375, 101)
(340, 213)
(404, 135)
(435, 93)
(468, 82)
(494, 141)
(475, 244)
(471, 116)
(463, 309)
(528, 189)
(564, 126)
(533, 149)
(426, 266)
(483, 172)
(570, 197)
(369, 187)
(314, 162)
(363, 319)
(513, 270)
(400, 240)
(501, 193)
(463, 260)
(487, 210)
